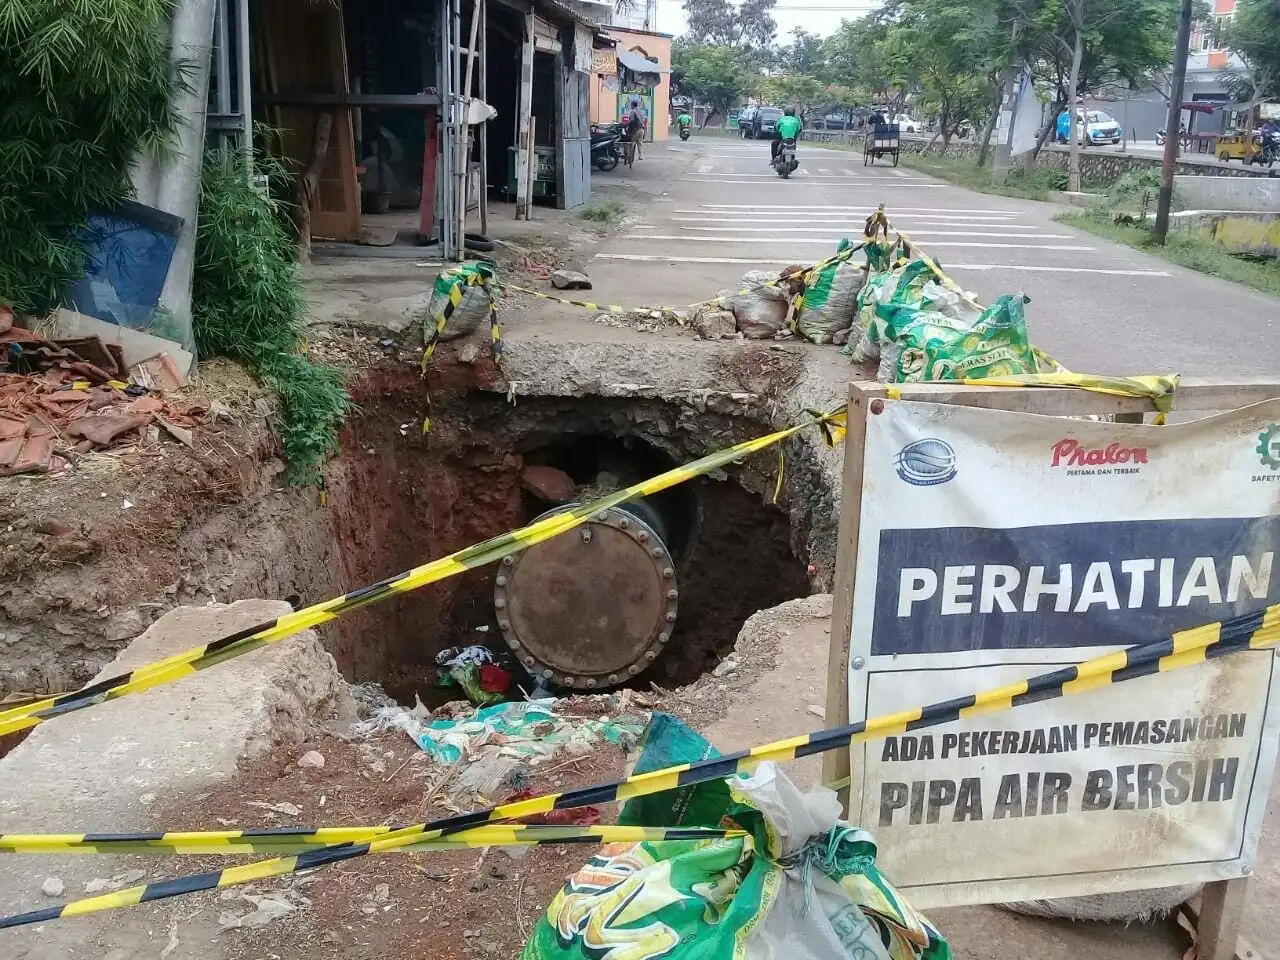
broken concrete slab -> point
(95, 767)
(570, 280)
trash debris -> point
(267, 909)
(803, 885)
(289, 809)
(817, 711)
(531, 730)
(725, 667)
(570, 280)
(52, 887)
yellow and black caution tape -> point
(1251, 632)
(1157, 388)
(477, 555)
(618, 308)
(280, 841)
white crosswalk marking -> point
(978, 267)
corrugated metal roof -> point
(638, 64)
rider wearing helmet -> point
(787, 128)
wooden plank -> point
(309, 182)
(1193, 393)
(835, 763)
(301, 99)
(1191, 916)
(524, 135)
(308, 53)
(560, 110)
(1221, 909)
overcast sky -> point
(817, 16)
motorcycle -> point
(605, 152)
(1270, 149)
(684, 131)
(1184, 138)
(785, 163)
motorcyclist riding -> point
(684, 120)
(787, 128)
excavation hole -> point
(398, 503)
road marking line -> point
(852, 222)
(827, 241)
(978, 219)
(900, 173)
(844, 178)
(837, 234)
(662, 258)
(863, 208)
(746, 179)
(706, 168)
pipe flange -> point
(593, 607)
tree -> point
(858, 58)
(716, 75)
(803, 55)
(1254, 36)
(746, 27)
(85, 89)
(947, 45)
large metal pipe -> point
(593, 607)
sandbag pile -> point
(918, 324)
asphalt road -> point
(718, 210)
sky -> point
(817, 16)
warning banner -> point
(993, 544)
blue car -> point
(1102, 128)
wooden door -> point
(306, 54)
(575, 121)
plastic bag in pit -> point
(802, 885)
(762, 309)
(826, 308)
(477, 294)
(995, 346)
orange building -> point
(640, 68)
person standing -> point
(635, 124)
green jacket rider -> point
(787, 128)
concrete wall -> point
(606, 105)
(1239, 232)
(1228, 193)
(1108, 165)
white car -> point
(906, 124)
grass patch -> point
(1185, 249)
(1038, 184)
(247, 304)
(604, 211)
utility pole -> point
(1173, 123)
(1003, 159)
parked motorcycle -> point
(785, 163)
(605, 149)
(1184, 138)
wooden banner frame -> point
(1222, 902)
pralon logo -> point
(926, 463)
(1069, 453)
